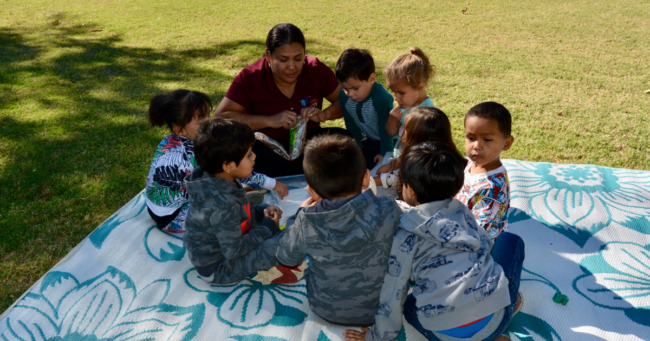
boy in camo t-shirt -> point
(346, 233)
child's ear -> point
(313, 194)
(372, 78)
(366, 180)
(228, 166)
(178, 130)
(421, 86)
(509, 140)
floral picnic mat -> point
(586, 275)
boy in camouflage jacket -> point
(227, 239)
(347, 234)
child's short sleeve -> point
(489, 201)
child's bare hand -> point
(273, 212)
(384, 169)
(354, 335)
(309, 202)
(281, 189)
(379, 158)
(395, 114)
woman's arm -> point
(231, 109)
(334, 111)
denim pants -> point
(508, 251)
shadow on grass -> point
(75, 144)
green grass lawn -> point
(75, 144)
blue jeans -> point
(508, 251)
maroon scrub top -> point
(256, 91)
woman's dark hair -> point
(178, 108)
(425, 124)
(220, 140)
(433, 171)
(282, 34)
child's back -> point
(347, 234)
(440, 248)
(348, 242)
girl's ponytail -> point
(178, 108)
(429, 70)
(411, 68)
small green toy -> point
(560, 299)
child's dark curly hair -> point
(219, 141)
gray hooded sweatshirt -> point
(348, 250)
(441, 249)
(226, 236)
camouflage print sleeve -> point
(388, 319)
(291, 249)
(235, 244)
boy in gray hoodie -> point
(346, 233)
(464, 286)
(227, 239)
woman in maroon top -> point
(269, 95)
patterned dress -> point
(165, 190)
(487, 195)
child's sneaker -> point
(281, 274)
(389, 179)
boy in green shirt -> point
(366, 104)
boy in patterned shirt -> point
(365, 103)
(486, 191)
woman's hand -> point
(285, 119)
(353, 335)
(281, 189)
(313, 114)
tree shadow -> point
(75, 143)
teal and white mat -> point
(587, 234)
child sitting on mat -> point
(227, 238)
(407, 77)
(166, 197)
(346, 233)
(365, 103)
(487, 190)
(466, 285)
(423, 124)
